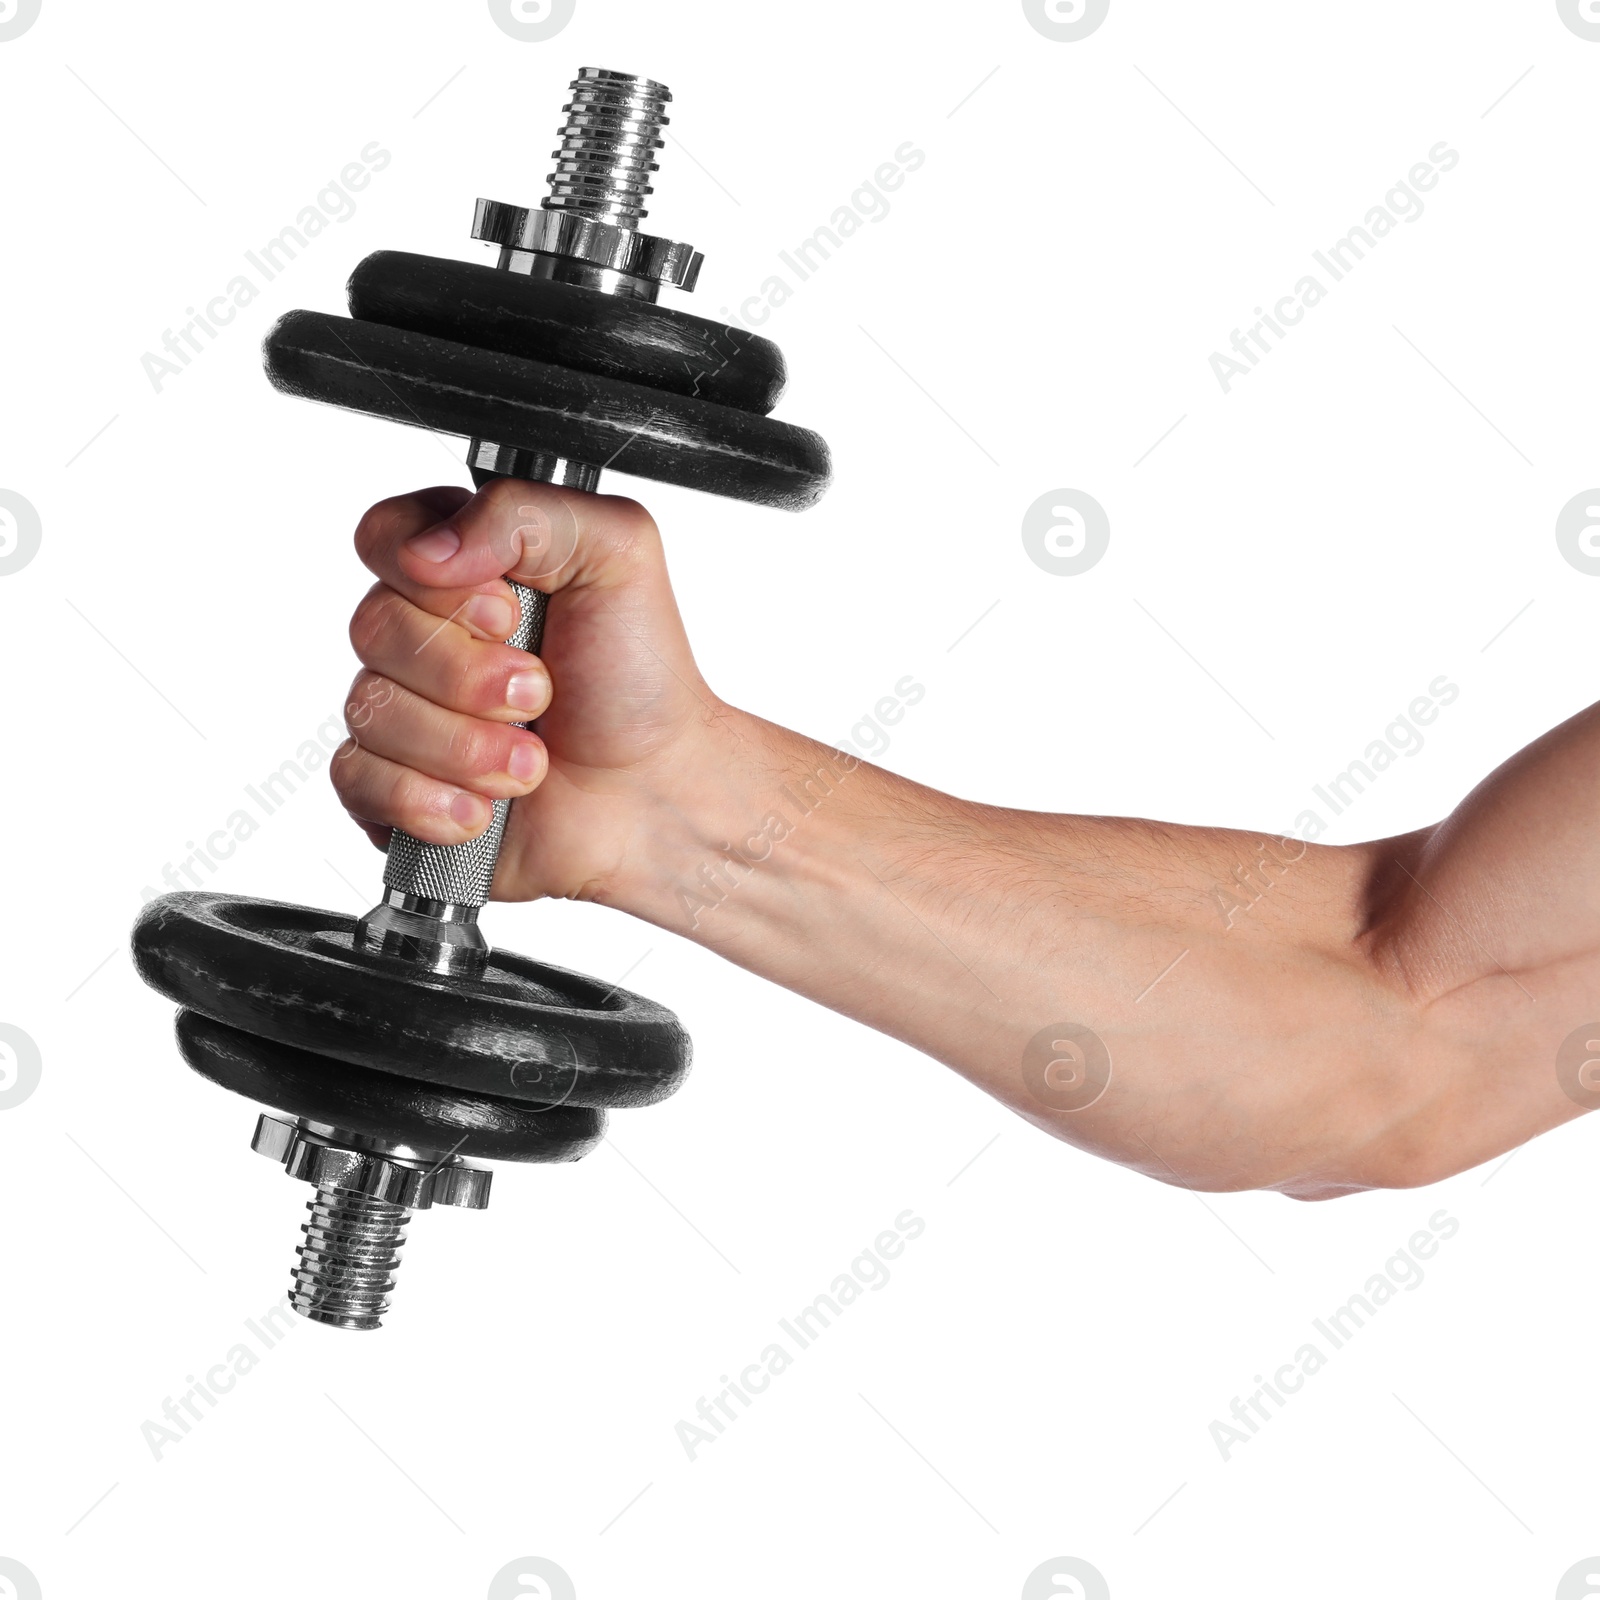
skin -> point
(1383, 1016)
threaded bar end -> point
(349, 1259)
(608, 146)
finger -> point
(539, 535)
(444, 663)
(486, 610)
(491, 759)
(376, 832)
(385, 794)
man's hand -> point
(1385, 1015)
(432, 714)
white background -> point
(1289, 567)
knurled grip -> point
(460, 874)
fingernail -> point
(470, 810)
(525, 691)
(489, 614)
(524, 762)
(437, 544)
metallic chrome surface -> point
(437, 933)
(380, 1169)
(608, 145)
(537, 230)
(272, 1137)
(367, 1189)
(536, 466)
(565, 270)
(348, 1261)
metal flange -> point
(580, 238)
(331, 1158)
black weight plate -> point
(635, 340)
(381, 1105)
(524, 1031)
(535, 405)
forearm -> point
(1250, 1039)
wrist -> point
(742, 800)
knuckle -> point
(482, 687)
(344, 771)
(369, 694)
(503, 497)
(451, 669)
(629, 535)
(372, 531)
(415, 801)
(635, 525)
(373, 620)
(477, 747)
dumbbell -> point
(397, 1051)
